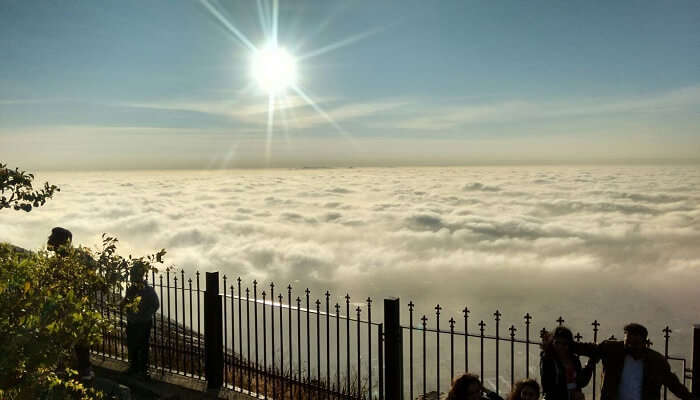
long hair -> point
(561, 332)
(520, 385)
(461, 384)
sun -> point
(274, 69)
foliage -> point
(22, 195)
(49, 302)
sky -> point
(168, 84)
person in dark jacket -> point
(468, 387)
(631, 370)
(60, 242)
(561, 373)
(139, 321)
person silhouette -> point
(60, 241)
(139, 320)
(632, 370)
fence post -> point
(696, 360)
(393, 360)
(213, 336)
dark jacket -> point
(553, 378)
(147, 306)
(657, 372)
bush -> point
(48, 304)
(18, 186)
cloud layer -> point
(606, 243)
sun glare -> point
(274, 69)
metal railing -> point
(459, 349)
(275, 344)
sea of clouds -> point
(613, 243)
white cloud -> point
(608, 243)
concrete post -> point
(393, 364)
(213, 333)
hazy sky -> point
(163, 84)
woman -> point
(526, 389)
(560, 369)
(468, 387)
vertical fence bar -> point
(695, 374)
(667, 333)
(337, 347)
(199, 331)
(184, 337)
(170, 348)
(359, 362)
(425, 322)
(264, 323)
(301, 377)
(255, 315)
(410, 349)
(308, 338)
(272, 337)
(109, 340)
(318, 342)
(481, 338)
(452, 348)
(528, 317)
(393, 350)
(595, 367)
(380, 352)
(102, 313)
(497, 314)
(225, 334)
(155, 320)
(437, 347)
(328, 343)
(369, 346)
(177, 340)
(512, 354)
(191, 331)
(247, 336)
(289, 314)
(234, 364)
(347, 336)
(280, 297)
(213, 332)
(240, 330)
(162, 325)
(466, 338)
(121, 326)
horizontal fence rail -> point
(271, 342)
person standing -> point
(139, 321)
(60, 241)
(631, 370)
(561, 373)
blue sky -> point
(165, 84)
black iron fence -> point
(271, 342)
(501, 355)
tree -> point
(49, 302)
(20, 193)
